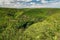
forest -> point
(30, 24)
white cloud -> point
(33, 5)
(27, 0)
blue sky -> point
(30, 3)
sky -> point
(30, 3)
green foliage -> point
(19, 24)
(49, 29)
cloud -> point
(25, 4)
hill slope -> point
(14, 22)
(49, 29)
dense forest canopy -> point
(30, 24)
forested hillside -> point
(30, 24)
